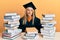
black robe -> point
(37, 24)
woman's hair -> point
(25, 18)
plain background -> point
(43, 7)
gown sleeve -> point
(20, 21)
(38, 24)
(21, 26)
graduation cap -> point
(30, 4)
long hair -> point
(25, 18)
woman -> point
(29, 19)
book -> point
(11, 38)
(48, 18)
(16, 19)
(48, 15)
(29, 36)
(12, 17)
(10, 14)
(10, 26)
(11, 33)
(49, 28)
(13, 22)
(31, 30)
(48, 25)
(15, 30)
(48, 22)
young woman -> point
(30, 19)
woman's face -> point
(29, 11)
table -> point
(57, 36)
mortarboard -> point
(30, 4)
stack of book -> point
(48, 22)
(11, 23)
(31, 34)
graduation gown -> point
(37, 24)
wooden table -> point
(57, 37)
